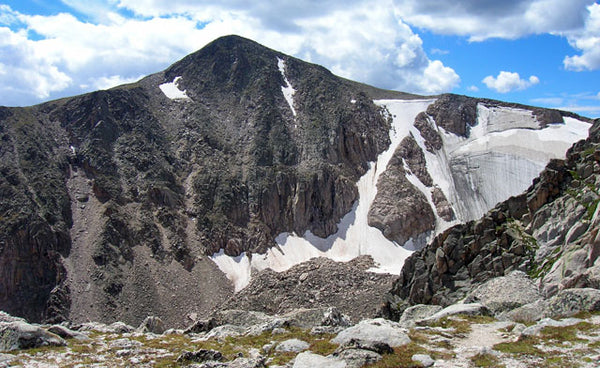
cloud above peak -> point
(72, 55)
(508, 81)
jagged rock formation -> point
(113, 199)
(550, 232)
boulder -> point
(374, 330)
(242, 362)
(153, 325)
(378, 347)
(312, 360)
(467, 309)
(572, 301)
(292, 346)
(423, 359)
(21, 335)
(527, 313)
(199, 356)
(333, 317)
(270, 325)
(505, 293)
(418, 312)
(357, 358)
(224, 331)
(5, 317)
(66, 333)
(536, 329)
(203, 325)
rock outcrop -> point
(549, 233)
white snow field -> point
(287, 90)
(172, 91)
(502, 155)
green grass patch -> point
(568, 333)
(524, 346)
(486, 360)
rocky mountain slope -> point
(152, 198)
(550, 232)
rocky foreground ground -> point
(511, 329)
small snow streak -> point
(172, 91)
(287, 90)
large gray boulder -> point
(526, 313)
(292, 346)
(374, 330)
(312, 360)
(569, 302)
(67, 333)
(21, 335)
(470, 309)
(505, 293)
(357, 358)
(418, 312)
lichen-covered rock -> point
(311, 360)
(417, 312)
(569, 302)
(199, 356)
(292, 346)
(505, 293)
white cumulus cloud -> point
(509, 81)
(587, 41)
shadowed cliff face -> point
(111, 200)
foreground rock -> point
(505, 293)
(454, 341)
(311, 360)
(21, 335)
(376, 330)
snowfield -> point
(172, 91)
(504, 152)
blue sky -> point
(536, 52)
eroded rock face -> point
(116, 197)
(400, 210)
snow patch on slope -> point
(354, 236)
(287, 90)
(172, 91)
